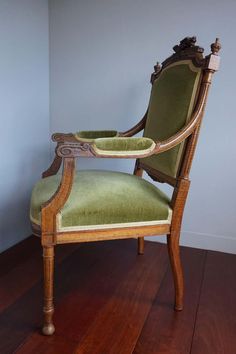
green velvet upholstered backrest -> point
(171, 104)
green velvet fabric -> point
(123, 144)
(170, 107)
(90, 135)
(103, 197)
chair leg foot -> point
(48, 308)
(174, 255)
(178, 308)
(140, 245)
(48, 329)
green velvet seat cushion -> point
(103, 197)
(121, 145)
(90, 135)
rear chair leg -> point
(48, 308)
(174, 255)
(140, 245)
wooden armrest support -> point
(82, 149)
(63, 137)
(75, 150)
(52, 207)
(135, 129)
(54, 167)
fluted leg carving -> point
(48, 308)
(174, 255)
(140, 245)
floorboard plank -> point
(79, 309)
(47, 345)
(168, 331)
(215, 330)
(117, 326)
(84, 300)
(24, 316)
(109, 300)
(25, 274)
(13, 256)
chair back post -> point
(210, 66)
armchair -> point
(92, 205)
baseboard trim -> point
(203, 241)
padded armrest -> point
(123, 146)
(91, 135)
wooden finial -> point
(157, 69)
(215, 47)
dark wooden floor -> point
(109, 300)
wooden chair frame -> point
(70, 148)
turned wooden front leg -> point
(48, 308)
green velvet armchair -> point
(103, 205)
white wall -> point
(24, 111)
(101, 56)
